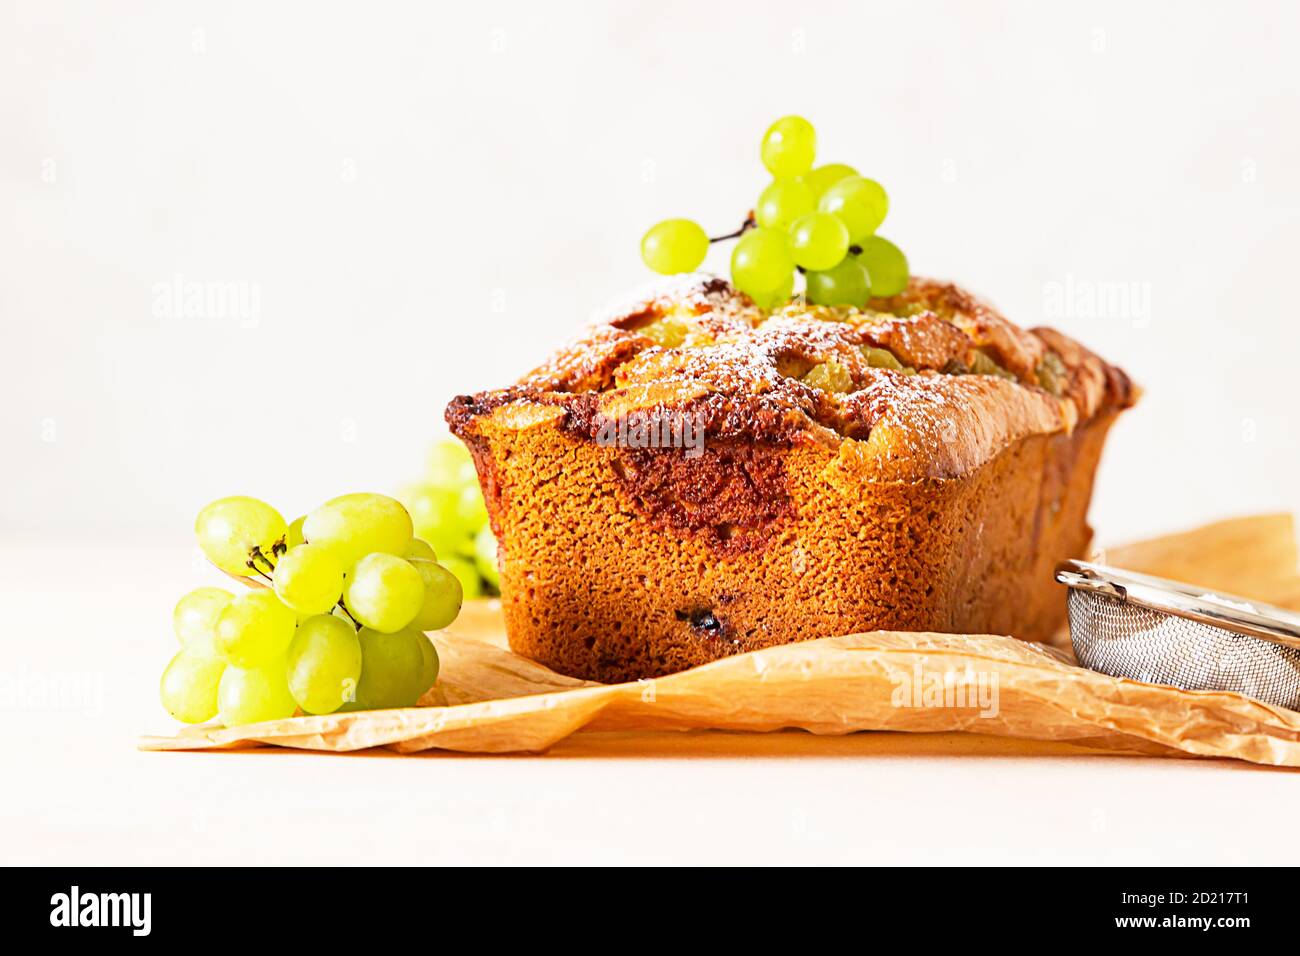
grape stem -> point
(344, 608)
(256, 555)
(745, 226)
(279, 548)
(260, 573)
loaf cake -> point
(695, 477)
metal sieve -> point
(1164, 632)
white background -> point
(425, 198)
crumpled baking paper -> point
(489, 700)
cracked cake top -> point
(932, 378)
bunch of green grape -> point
(339, 624)
(448, 510)
(818, 221)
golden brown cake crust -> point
(919, 464)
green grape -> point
(442, 596)
(430, 663)
(254, 628)
(450, 464)
(392, 668)
(485, 556)
(189, 685)
(437, 514)
(309, 579)
(778, 297)
(228, 529)
(789, 147)
(824, 177)
(674, 245)
(784, 201)
(845, 283)
(384, 593)
(254, 694)
(419, 548)
(355, 525)
(471, 509)
(761, 263)
(195, 617)
(858, 202)
(470, 583)
(886, 265)
(818, 241)
(293, 537)
(324, 664)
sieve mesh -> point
(1123, 639)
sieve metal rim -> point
(1264, 621)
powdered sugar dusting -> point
(737, 352)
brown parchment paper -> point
(489, 700)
